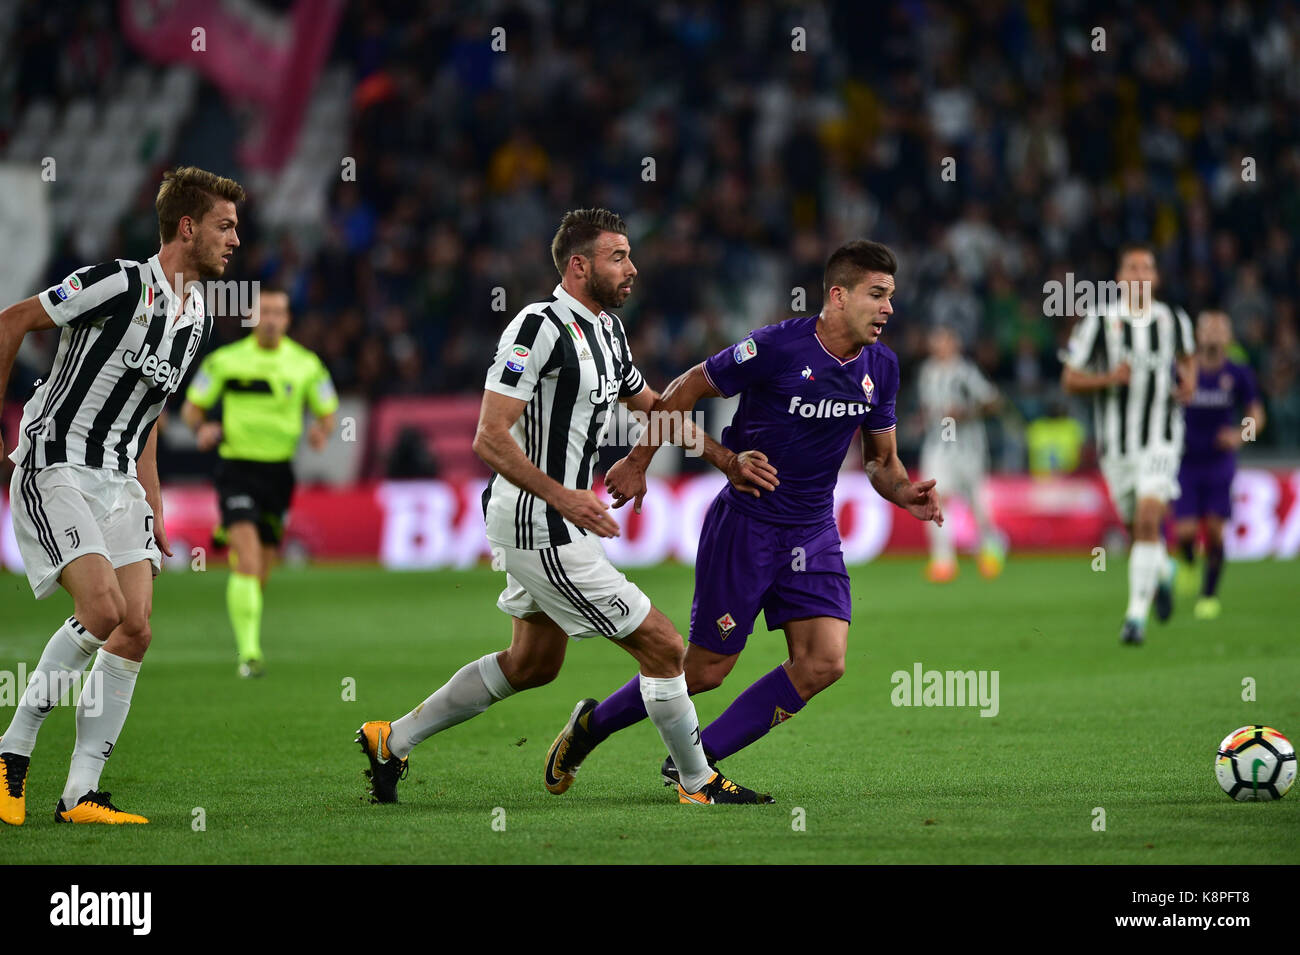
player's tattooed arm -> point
(889, 477)
(499, 450)
(669, 421)
(15, 322)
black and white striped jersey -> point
(945, 387)
(571, 367)
(125, 346)
(1144, 414)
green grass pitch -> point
(1083, 723)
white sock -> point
(673, 714)
(942, 550)
(1144, 562)
(101, 714)
(470, 691)
(65, 656)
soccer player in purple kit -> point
(806, 386)
(1214, 432)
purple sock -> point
(771, 699)
(618, 711)
(1213, 567)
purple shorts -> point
(1205, 489)
(744, 565)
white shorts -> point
(573, 584)
(1149, 474)
(65, 511)
(955, 472)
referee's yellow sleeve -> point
(321, 396)
(206, 387)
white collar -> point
(180, 316)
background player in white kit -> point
(85, 496)
(954, 399)
(1124, 355)
(560, 366)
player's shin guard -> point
(64, 658)
(470, 691)
(673, 714)
(101, 714)
(767, 703)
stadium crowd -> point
(995, 145)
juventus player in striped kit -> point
(549, 397)
(955, 397)
(85, 497)
(1125, 355)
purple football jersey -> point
(1220, 394)
(801, 406)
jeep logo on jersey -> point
(827, 408)
(160, 372)
(606, 393)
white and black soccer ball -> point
(1255, 763)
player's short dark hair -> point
(1130, 247)
(853, 260)
(274, 288)
(578, 232)
(190, 191)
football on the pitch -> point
(1255, 763)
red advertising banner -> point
(432, 524)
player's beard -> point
(208, 262)
(606, 294)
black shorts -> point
(257, 491)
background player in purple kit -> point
(1214, 432)
(806, 386)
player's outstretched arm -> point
(207, 433)
(15, 322)
(498, 449)
(669, 421)
(1075, 381)
(889, 478)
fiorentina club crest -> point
(868, 386)
(779, 716)
(726, 624)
